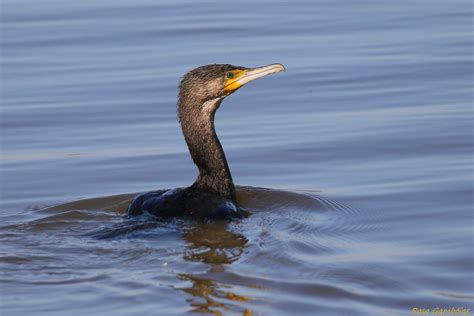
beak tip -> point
(282, 67)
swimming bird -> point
(212, 195)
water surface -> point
(366, 143)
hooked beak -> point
(241, 77)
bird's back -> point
(188, 202)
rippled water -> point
(365, 145)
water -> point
(371, 128)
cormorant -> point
(212, 195)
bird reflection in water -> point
(213, 244)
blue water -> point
(372, 124)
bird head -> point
(215, 82)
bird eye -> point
(230, 75)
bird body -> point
(185, 202)
(212, 195)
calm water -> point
(371, 128)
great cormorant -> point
(212, 195)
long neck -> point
(197, 123)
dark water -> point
(371, 127)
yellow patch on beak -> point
(232, 83)
(237, 78)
